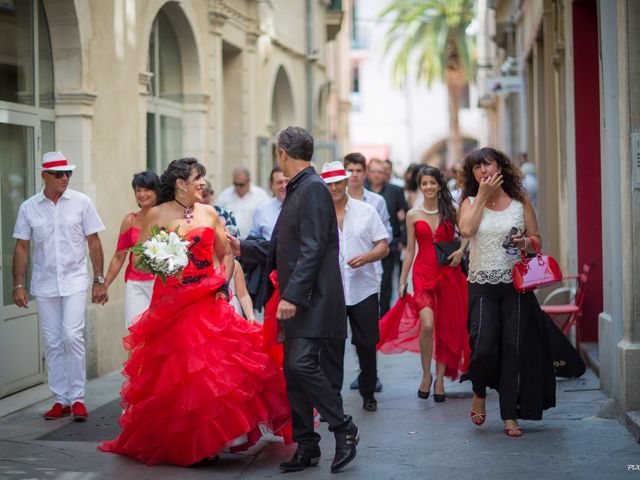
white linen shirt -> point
(243, 208)
(264, 220)
(378, 202)
(361, 228)
(58, 233)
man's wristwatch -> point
(99, 279)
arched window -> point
(165, 105)
(26, 114)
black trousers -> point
(308, 387)
(363, 318)
(509, 350)
(386, 285)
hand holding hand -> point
(20, 297)
(285, 310)
(99, 294)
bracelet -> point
(20, 285)
(224, 289)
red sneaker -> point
(80, 413)
(57, 411)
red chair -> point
(572, 311)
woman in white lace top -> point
(509, 344)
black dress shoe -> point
(346, 442)
(370, 404)
(300, 461)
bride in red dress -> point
(199, 377)
(434, 320)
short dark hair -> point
(274, 170)
(297, 142)
(356, 158)
(147, 179)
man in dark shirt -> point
(397, 206)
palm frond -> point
(424, 34)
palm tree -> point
(428, 38)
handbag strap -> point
(538, 253)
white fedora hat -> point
(334, 172)
(55, 161)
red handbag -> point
(539, 271)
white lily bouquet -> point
(164, 254)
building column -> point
(74, 114)
(249, 100)
(195, 130)
(628, 16)
(610, 331)
(215, 152)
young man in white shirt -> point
(60, 222)
(363, 241)
(242, 198)
(356, 165)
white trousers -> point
(62, 325)
(137, 297)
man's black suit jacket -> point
(304, 249)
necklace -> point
(428, 212)
(188, 211)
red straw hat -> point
(55, 161)
(334, 172)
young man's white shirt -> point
(361, 228)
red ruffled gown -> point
(199, 376)
(444, 290)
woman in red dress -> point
(433, 321)
(199, 377)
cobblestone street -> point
(406, 438)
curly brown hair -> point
(511, 176)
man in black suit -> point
(304, 250)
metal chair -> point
(572, 311)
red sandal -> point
(513, 432)
(478, 418)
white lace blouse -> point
(488, 261)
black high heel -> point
(424, 395)
(439, 397)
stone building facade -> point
(127, 85)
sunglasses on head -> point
(60, 174)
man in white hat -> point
(58, 220)
(363, 241)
